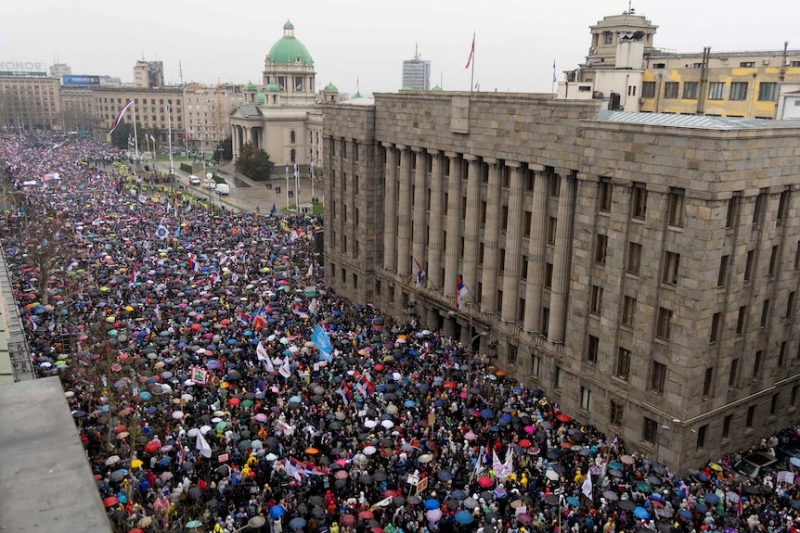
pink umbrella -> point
(261, 417)
(470, 436)
(528, 429)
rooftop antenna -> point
(630, 8)
(416, 50)
(180, 72)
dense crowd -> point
(215, 382)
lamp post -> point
(469, 350)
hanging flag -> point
(157, 312)
(285, 370)
(323, 343)
(364, 385)
(202, 446)
(134, 277)
(291, 471)
(420, 274)
(554, 71)
(471, 52)
(479, 464)
(587, 486)
(461, 293)
(119, 117)
(310, 270)
(193, 266)
(152, 138)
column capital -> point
(536, 167)
(471, 158)
(387, 145)
(451, 155)
(435, 153)
(417, 149)
(513, 164)
(401, 147)
(490, 160)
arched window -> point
(292, 137)
(294, 155)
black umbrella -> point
(626, 504)
(366, 479)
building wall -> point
(506, 191)
(208, 113)
(150, 109)
(30, 102)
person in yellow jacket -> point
(335, 527)
(578, 478)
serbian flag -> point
(134, 277)
(243, 317)
(193, 266)
(345, 392)
(461, 293)
(120, 115)
(471, 52)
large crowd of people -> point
(217, 384)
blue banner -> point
(323, 343)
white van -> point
(209, 184)
(223, 188)
(194, 180)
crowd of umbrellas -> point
(217, 384)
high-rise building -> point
(29, 99)
(148, 74)
(416, 73)
(58, 70)
(641, 269)
(208, 109)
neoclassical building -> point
(283, 114)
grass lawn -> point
(174, 158)
(317, 209)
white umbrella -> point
(426, 458)
(192, 432)
(388, 424)
(187, 397)
(205, 429)
(369, 450)
(552, 475)
(114, 459)
(271, 457)
(369, 424)
(177, 415)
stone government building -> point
(642, 269)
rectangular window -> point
(483, 213)
(751, 414)
(722, 275)
(552, 222)
(726, 426)
(592, 347)
(782, 355)
(715, 320)
(783, 204)
(501, 262)
(601, 248)
(481, 249)
(548, 275)
(733, 373)
(586, 398)
(773, 404)
(767, 91)
(605, 194)
(628, 310)
(559, 378)
(741, 320)
(634, 257)
(707, 381)
(524, 267)
(504, 218)
(773, 261)
(658, 376)
(545, 326)
(617, 412)
(671, 90)
(671, 265)
(676, 197)
(730, 216)
(764, 313)
(555, 185)
(738, 90)
(701, 437)
(650, 434)
(758, 209)
(527, 225)
(623, 363)
(529, 180)
(716, 90)
(639, 206)
(757, 363)
(536, 365)
(648, 89)
(512, 355)
(664, 323)
(521, 310)
(690, 90)
(793, 398)
(797, 256)
(790, 305)
(597, 300)
(748, 265)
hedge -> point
(186, 167)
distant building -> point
(208, 109)
(148, 74)
(416, 73)
(30, 100)
(60, 69)
(149, 108)
(76, 106)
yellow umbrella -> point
(110, 319)
(128, 308)
(136, 463)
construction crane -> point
(219, 111)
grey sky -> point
(517, 40)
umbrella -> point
(641, 513)
(610, 496)
(194, 524)
(525, 518)
(464, 517)
(366, 515)
(686, 515)
(573, 501)
(297, 523)
(711, 498)
(431, 504)
(425, 458)
(627, 505)
(485, 482)
(348, 520)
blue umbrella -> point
(409, 403)
(464, 517)
(431, 504)
(277, 511)
(459, 494)
(553, 454)
(145, 395)
(713, 499)
(573, 501)
(701, 508)
(686, 515)
(297, 523)
(487, 413)
(795, 461)
(641, 512)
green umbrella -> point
(221, 426)
(247, 403)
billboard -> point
(22, 68)
(72, 80)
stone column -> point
(453, 244)
(390, 209)
(561, 262)
(491, 246)
(536, 255)
(435, 216)
(513, 242)
(404, 209)
(234, 141)
(471, 228)
(420, 188)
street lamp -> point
(470, 350)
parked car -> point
(786, 451)
(194, 180)
(223, 188)
(754, 464)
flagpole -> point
(472, 73)
(287, 187)
(169, 136)
(135, 135)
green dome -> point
(273, 88)
(357, 95)
(261, 98)
(250, 87)
(437, 89)
(288, 50)
(330, 88)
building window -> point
(483, 212)
(601, 249)
(521, 310)
(793, 397)
(690, 90)
(730, 217)
(733, 373)
(608, 38)
(758, 209)
(623, 363)
(559, 378)
(782, 354)
(722, 275)
(676, 197)
(767, 91)
(512, 355)
(597, 300)
(701, 437)
(757, 363)
(726, 426)
(738, 90)
(747, 64)
(634, 257)
(628, 310)
(764, 313)
(593, 346)
(751, 414)
(605, 194)
(292, 137)
(536, 365)
(716, 90)
(741, 320)
(650, 434)
(748, 265)
(707, 381)
(658, 376)
(797, 256)
(773, 261)
(715, 320)
(529, 180)
(790, 305)
(648, 89)
(586, 398)
(527, 224)
(555, 185)
(524, 267)
(639, 206)
(552, 222)
(664, 323)
(548, 275)
(501, 262)
(504, 218)
(671, 90)
(617, 412)
(293, 156)
(672, 262)
(545, 320)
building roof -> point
(330, 88)
(288, 50)
(250, 86)
(249, 110)
(437, 89)
(694, 121)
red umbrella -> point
(563, 417)
(152, 446)
(450, 385)
(136, 530)
(379, 367)
(234, 401)
(366, 515)
(348, 520)
(376, 529)
(525, 443)
(110, 501)
(195, 327)
(485, 482)
(390, 493)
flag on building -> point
(285, 370)
(461, 293)
(118, 119)
(554, 71)
(471, 52)
(420, 274)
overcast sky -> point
(367, 40)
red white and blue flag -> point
(345, 392)
(554, 71)
(471, 52)
(365, 386)
(461, 293)
(193, 266)
(134, 277)
(120, 115)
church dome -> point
(250, 87)
(273, 88)
(261, 98)
(330, 88)
(288, 50)
(436, 89)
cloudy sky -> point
(367, 40)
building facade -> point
(417, 73)
(641, 270)
(208, 109)
(76, 108)
(148, 74)
(30, 101)
(283, 115)
(149, 108)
